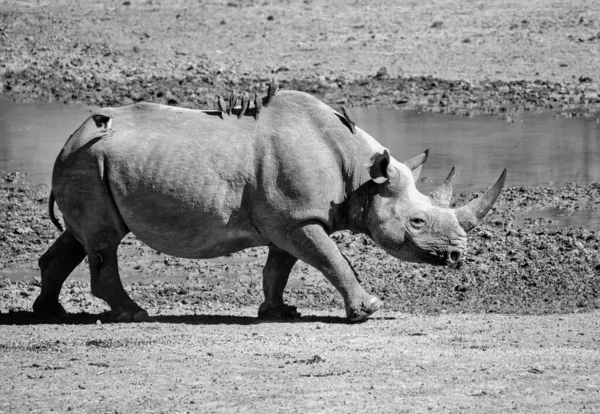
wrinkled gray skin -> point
(190, 184)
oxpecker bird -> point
(221, 105)
(350, 118)
(245, 103)
(257, 105)
(272, 90)
(232, 102)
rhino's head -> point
(416, 227)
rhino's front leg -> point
(275, 276)
(106, 285)
(311, 244)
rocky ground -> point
(444, 56)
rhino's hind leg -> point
(311, 244)
(56, 265)
(275, 276)
(106, 285)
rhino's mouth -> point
(417, 255)
(442, 258)
(454, 264)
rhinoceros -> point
(195, 184)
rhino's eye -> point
(417, 222)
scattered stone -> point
(382, 72)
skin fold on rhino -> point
(195, 184)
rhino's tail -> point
(53, 218)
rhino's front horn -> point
(443, 194)
(471, 214)
(415, 164)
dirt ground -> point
(227, 362)
(515, 329)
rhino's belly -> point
(201, 222)
(206, 243)
(192, 234)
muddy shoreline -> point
(92, 86)
(516, 264)
(497, 62)
(424, 93)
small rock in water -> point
(426, 180)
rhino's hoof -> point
(364, 311)
(48, 310)
(129, 315)
(277, 312)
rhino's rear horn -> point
(443, 194)
(415, 164)
(471, 214)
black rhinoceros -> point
(197, 184)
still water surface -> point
(536, 149)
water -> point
(32, 134)
(588, 219)
(536, 149)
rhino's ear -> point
(379, 167)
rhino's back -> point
(173, 149)
(178, 177)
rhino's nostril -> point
(454, 255)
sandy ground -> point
(515, 329)
(231, 363)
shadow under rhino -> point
(31, 318)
